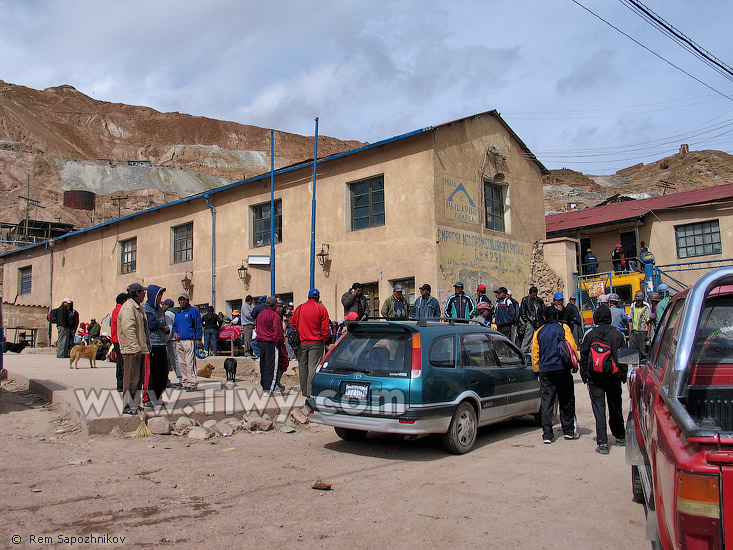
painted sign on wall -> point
(460, 199)
(478, 259)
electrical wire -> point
(652, 51)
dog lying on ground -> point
(230, 366)
(15, 348)
(205, 371)
(88, 351)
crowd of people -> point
(150, 338)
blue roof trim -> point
(206, 194)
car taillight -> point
(698, 511)
(416, 356)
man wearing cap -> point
(270, 337)
(259, 307)
(397, 306)
(558, 302)
(654, 299)
(134, 337)
(663, 290)
(425, 305)
(618, 257)
(212, 324)
(459, 304)
(591, 263)
(619, 319)
(159, 333)
(95, 330)
(641, 327)
(188, 331)
(531, 313)
(64, 328)
(170, 346)
(482, 298)
(504, 312)
(483, 314)
(314, 327)
(119, 363)
(354, 300)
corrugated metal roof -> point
(632, 210)
(297, 166)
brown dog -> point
(79, 351)
(205, 371)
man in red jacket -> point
(269, 326)
(311, 321)
(119, 369)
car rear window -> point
(373, 353)
(714, 343)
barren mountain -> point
(683, 171)
(59, 139)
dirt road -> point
(253, 490)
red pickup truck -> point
(680, 425)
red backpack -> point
(602, 358)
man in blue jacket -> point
(426, 305)
(459, 304)
(556, 380)
(504, 312)
(159, 330)
(188, 331)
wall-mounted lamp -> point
(323, 255)
(186, 282)
(242, 272)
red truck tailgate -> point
(726, 474)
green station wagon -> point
(422, 377)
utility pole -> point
(119, 200)
(28, 202)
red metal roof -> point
(630, 210)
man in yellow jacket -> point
(556, 378)
(134, 337)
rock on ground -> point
(201, 433)
(159, 425)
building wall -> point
(422, 237)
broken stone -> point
(287, 429)
(159, 425)
(223, 428)
(183, 422)
(200, 433)
(322, 485)
(299, 417)
(263, 423)
(209, 423)
(235, 423)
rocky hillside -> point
(59, 139)
(683, 171)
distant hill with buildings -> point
(134, 157)
(684, 171)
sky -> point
(579, 93)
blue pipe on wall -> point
(313, 213)
(213, 251)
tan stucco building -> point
(691, 227)
(459, 201)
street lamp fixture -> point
(186, 281)
(242, 272)
(323, 255)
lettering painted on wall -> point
(461, 198)
(475, 258)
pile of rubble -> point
(188, 427)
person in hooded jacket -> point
(556, 380)
(604, 386)
(159, 331)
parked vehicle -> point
(680, 427)
(590, 287)
(421, 377)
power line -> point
(677, 36)
(651, 51)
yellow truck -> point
(590, 287)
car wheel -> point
(636, 486)
(350, 435)
(461, 435)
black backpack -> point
(52, 316)
(601, 358)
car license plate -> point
(356, 391)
